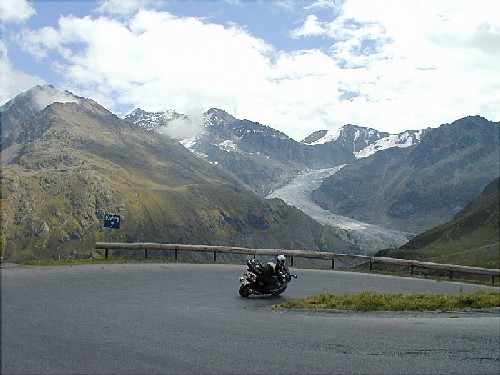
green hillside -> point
(471, 238)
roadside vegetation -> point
(371, 301)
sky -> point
(297, 66)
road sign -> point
(112, 221)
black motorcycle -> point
(258, 280)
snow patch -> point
(228, 146)
(330, 136)
(188, 142)
(401, 140)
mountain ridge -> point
(264, 158)
(413, 189)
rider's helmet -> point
(280, 260)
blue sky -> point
(298, 66)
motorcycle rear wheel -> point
(244, 290)
(279, 291)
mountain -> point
(263, 158)
(69, 163)
(417, 188)
(471, 238)
(15, 112)
(259, 156)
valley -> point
(229, 181)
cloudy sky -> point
(297, 66)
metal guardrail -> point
(145, 246)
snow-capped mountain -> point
(261, 157)
(222, 132)
(363, 141)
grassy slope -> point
(471, 238)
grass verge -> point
(370, 301)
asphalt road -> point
(189, 319)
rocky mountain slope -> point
(74, 161)
(472, 237)
(260, 157)
(417, 188)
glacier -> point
(368, 237)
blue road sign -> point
(112, 221)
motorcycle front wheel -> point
(245, 290)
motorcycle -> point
(257, 282)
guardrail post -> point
(215, 256)
(291, 261)
(105, 253)
(333, 263)
(371, 265)
(145, 253)
(451, 274)
(175, 254)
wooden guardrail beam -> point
(294, 253)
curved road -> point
(189, 319)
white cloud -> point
(414, 64)
(311, 27)
(325, 4)
(404, 65)
(46, 96)
(181, 128)
(124, 7)
(15, 10)
(12, 81)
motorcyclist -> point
(280, 263)
(272, 269)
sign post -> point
(111, 221)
